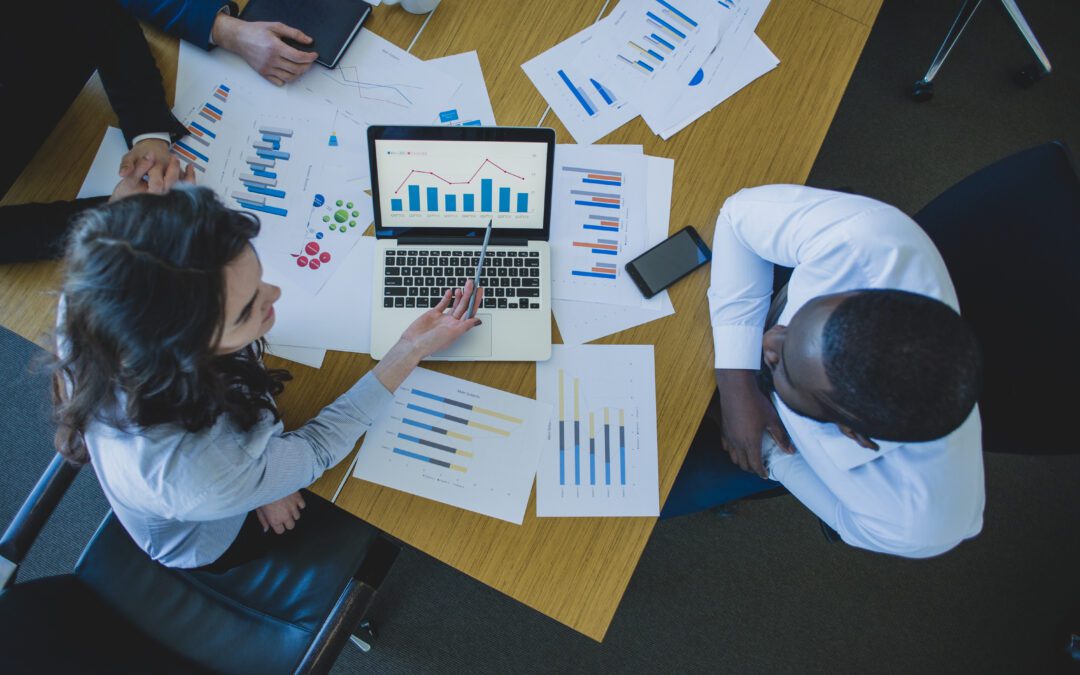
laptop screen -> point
(461, 184)
(434, 181)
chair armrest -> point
(352, 605)
(32, 516)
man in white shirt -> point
(867, 398)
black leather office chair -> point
(923, 90)
(120, 612)
(1010, 236)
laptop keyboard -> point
(418, 278)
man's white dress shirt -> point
(908, 499)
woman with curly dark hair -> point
(161, 385)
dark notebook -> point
(332, 24)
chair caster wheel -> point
(1026, 77)
(922, 91)
(729, 510)
(364, 636)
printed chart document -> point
(338, 318)
(470, 106)
(381, 83)
(459, 443)
(104, 172)
(601, 458)
(737, 20)
(671, 61)
(572, 87)
(649, 48)
(598, 223)
(757, 60)
(459, 97)
(581, 322)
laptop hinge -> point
(460, 241)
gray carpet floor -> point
(761, 591)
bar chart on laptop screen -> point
(449, 184)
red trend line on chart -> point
(462, 182)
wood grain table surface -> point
(574, 570)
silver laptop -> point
(435, 189)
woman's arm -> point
(293, 460)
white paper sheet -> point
(339, 317)
(601, 459)
(652, 48)
(381, 83)
(103, 175)
(346, 152)
(587, 108)
(581, 322)
(757, 59)
(470, 105)
(737, 24)
(459, 443)
(303, 355)
(598, 223)
(338, 215)
(195, 65)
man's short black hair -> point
(905, 367)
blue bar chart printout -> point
(601, 459)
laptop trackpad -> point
(474, 344)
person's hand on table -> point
(134, 182)
(155, 176)
(262, 45)
(746, 415)
(433, 331)
(282, 514)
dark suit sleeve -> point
(190, 20)
(128, 71)
(33, 232)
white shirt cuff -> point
(158, 136)
(737, 347)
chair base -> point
(922, 91)
(1026, 77)
(364, 636)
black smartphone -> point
(667, 262)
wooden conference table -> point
(574, 570)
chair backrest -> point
(1010, 236)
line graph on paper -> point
(380, 84)
(394, 93)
